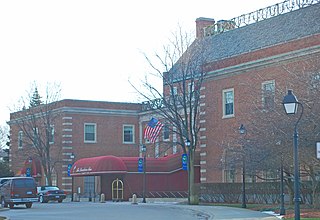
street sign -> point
(69, 168)
(28, 172)
(140, 164)
(184, 162)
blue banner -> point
(69, 168)
(140, 164)
(184, 162)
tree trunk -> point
(193, 192)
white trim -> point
(203, 179)
(202, 154)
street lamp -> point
(291, 104)
(243, 131)
(188, 143)
(144, 151)
(72, 156)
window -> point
(174, 91)
(35, 137)
(20, 139)
(229, 175)
(268, 94)
(166, 132)
(51, 134)
(191, 89)
(228, 103)
(90, 133)
(128, 134)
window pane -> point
(166, 132)
(128, 134)
(268, 94)
(229, 109)
(20, 139)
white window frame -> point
(133, 134)
(95, 133)
(224, 103)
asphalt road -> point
(126, 210)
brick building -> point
(245, 69)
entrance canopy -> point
(94, 166)
(98, 165)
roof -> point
(276, 30)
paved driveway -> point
(126, 210)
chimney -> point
(202, 23)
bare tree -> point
(272, 131)
(4, 133)
(36, 119)
(181, 70)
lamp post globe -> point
(290, 103)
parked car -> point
(18, 191)
(47, 193)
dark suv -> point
(18, 191)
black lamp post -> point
(290, 104)
(187, 143)
(243, 131)
(144, 151)
(72, 156)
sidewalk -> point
(224, 212)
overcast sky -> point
(92, 48)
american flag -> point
(152, 130)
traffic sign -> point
(184, 162)
(140, 164)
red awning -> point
(98, 165)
